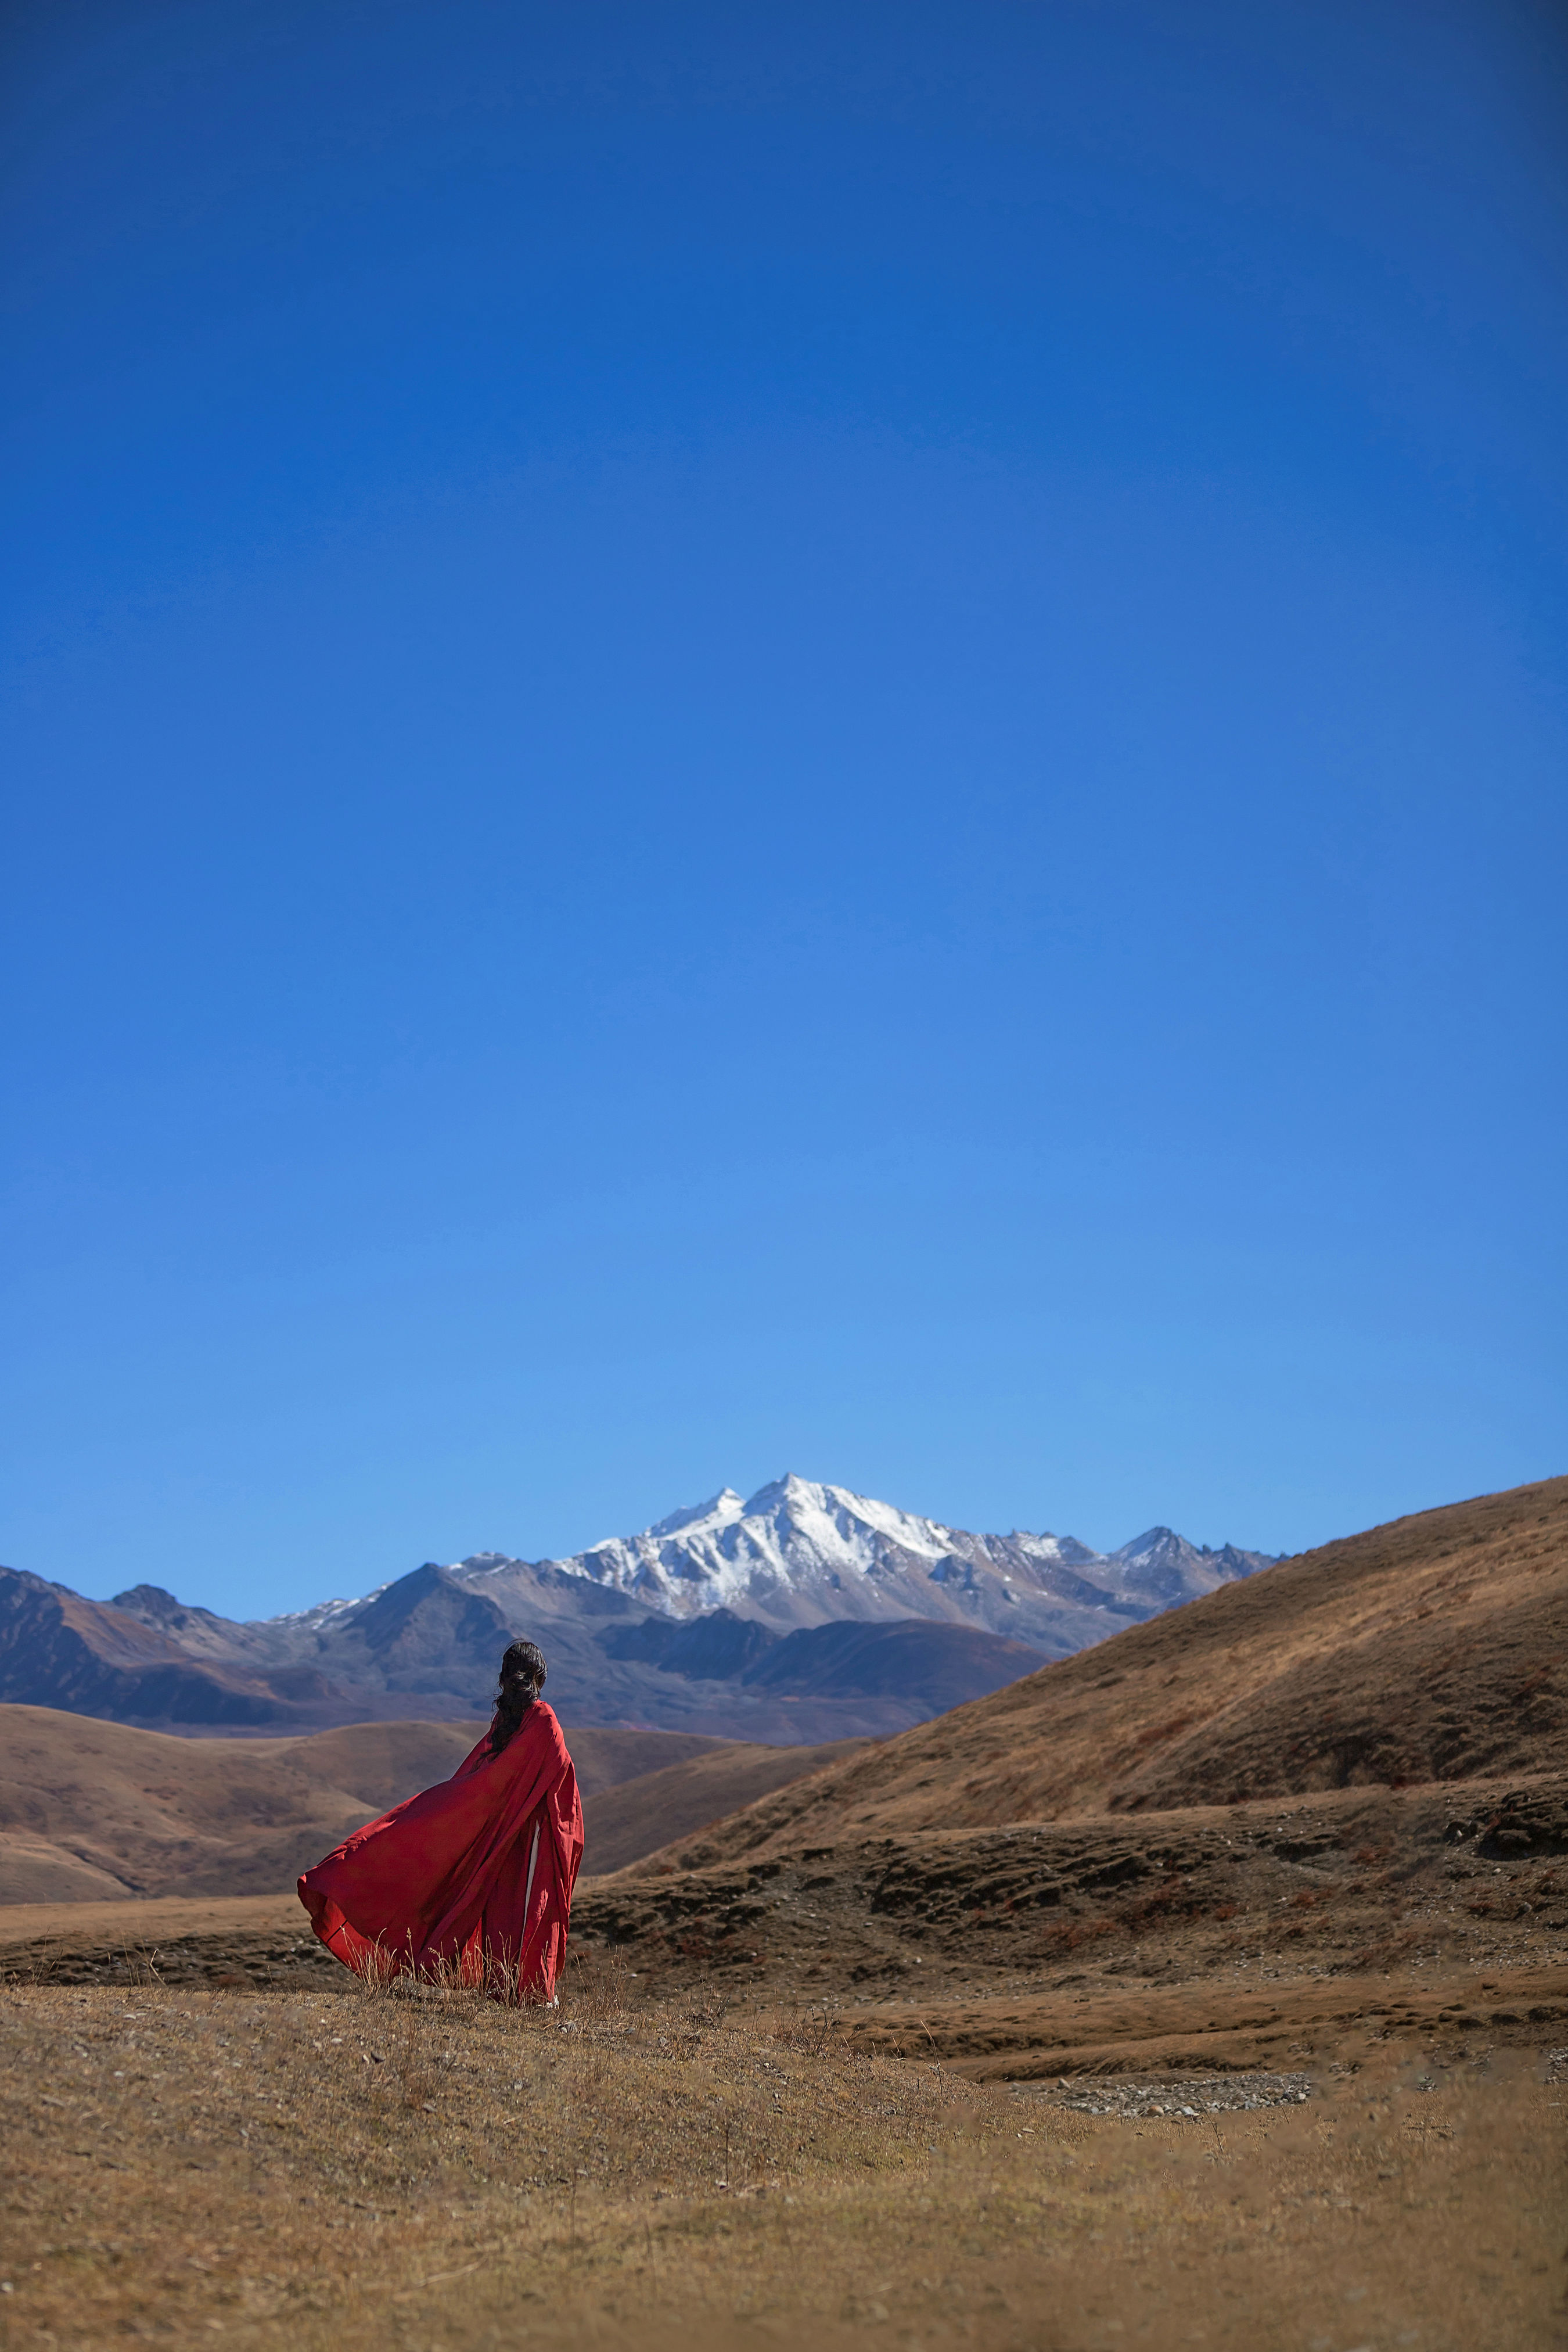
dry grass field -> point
(778, 2130)
(337, 2168)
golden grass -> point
(353, 2169)
(1427, 1651)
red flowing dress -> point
(472, 1879)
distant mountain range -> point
(806, 1613)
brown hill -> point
(634, 1819)
(92, 1811)
(1435, 1648)
(1037, 1917)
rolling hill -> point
(1432, 1649)
(638, 1816)
(1327, 1803)
(91, 1811)
(1324, 1801)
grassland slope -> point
(88, 1809)
(686, 1795)
(92, 1811)
(1434, 1648)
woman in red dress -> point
(471, 1882)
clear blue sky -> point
(825, 738)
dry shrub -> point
(1381, 1953)
(1072, 1934)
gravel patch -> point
(1190, 2101)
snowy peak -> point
(724, 1506)
(1165, 1566)
(827, 1519)
(798, 1553)
(794, 1553)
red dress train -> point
(474, 1876)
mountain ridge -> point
(799, 1552)
(698, 1623)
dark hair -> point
(522, 1679)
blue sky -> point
(824, 739)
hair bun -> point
(521, 1679)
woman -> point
(472, 1879)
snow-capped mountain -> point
(807, 1612)
(1163, 1567)
(798, 1554)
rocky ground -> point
(1178, 2102)
(1078, 1936)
